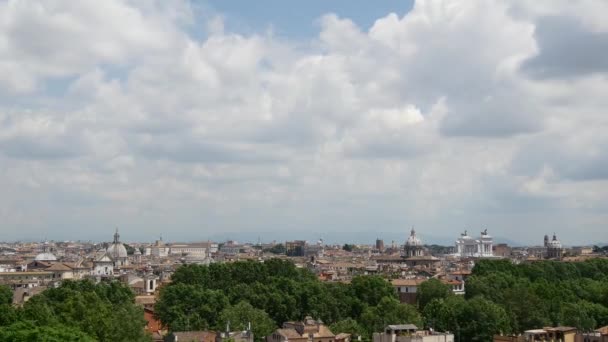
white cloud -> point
(427, 118)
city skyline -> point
(363, 238)
(211, 118)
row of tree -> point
(75, 311)
(274, 292)
(545, 293)
(501, 298)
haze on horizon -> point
(195, 119)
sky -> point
(342, 120)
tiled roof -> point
(288, 333)
(407, 282)
(58, 268)
(195, 336)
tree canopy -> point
(500, 297)
(76, 311)
(239, 317)
(545, 293)
(275, 289)
(432, 289)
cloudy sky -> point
(338, 119)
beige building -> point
(599, 335)
(406, 289)
(548, 334)
(308, 330)
(25, 279)
(410, 333)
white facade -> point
(467, 246)
(103, 266)
(410, 333)
(159, 249)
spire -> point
(116, 236)
(413, 232)
(554, 237)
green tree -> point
(6, 295)
(477, 319)
(527, 309)
(130, 249)
(348, 247)
(78, 304)
(276, 249)
(441, 314)
(584, 315)
(348, 326)
(183, 307)
(241, 315)
(8, 314)
(389, 311)
(481, 319)
(27, 331)
(432, 289)
(371, 289)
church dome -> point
(117, 249)
(412, 240)
(47, 256)
(555, 243)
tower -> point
(116, 236)
(379, 245)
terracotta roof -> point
(423, 258)
(138, 284)
(407, 282)
(603, 330)
(451, 282)
(342, 336)
(288, 333)
(42, 263)
(563, 329)
(195, 336)
(323, 332)
(461, 272)
(58, 268)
